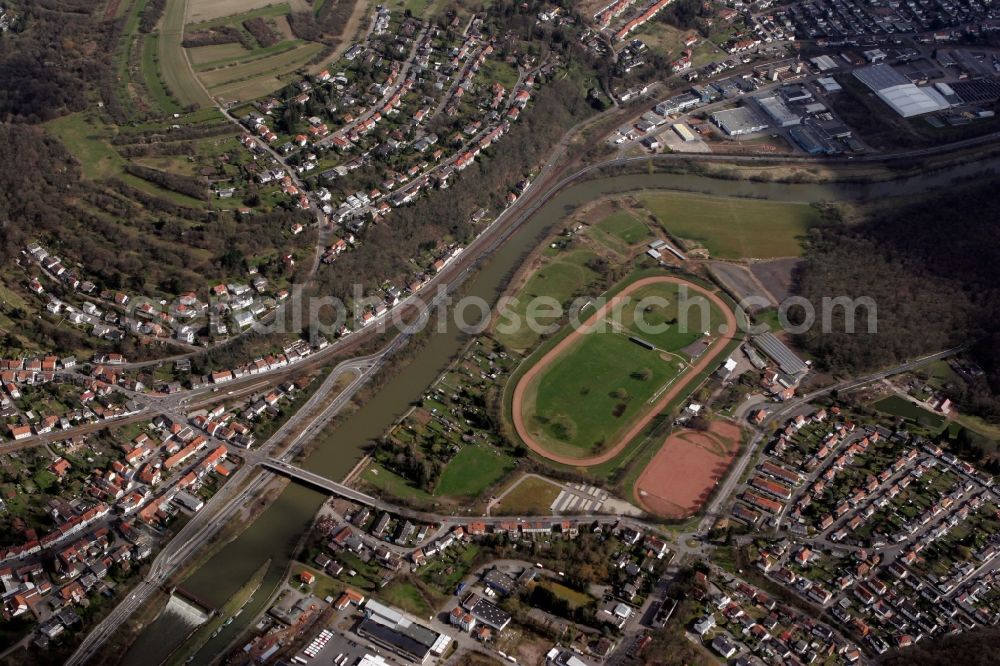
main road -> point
(233, 497)
(249, 480)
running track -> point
(706, 359)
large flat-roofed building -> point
(490, 615)
(976, 91)
(739, 121)
(829, 84)
(677, 104)
(684, 132)
(778, 111)
(775, 349)
(391, 629)
(824, 63)
(808, 141)
(898, 92)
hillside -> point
(974, 648)
(931, 268)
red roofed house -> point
(60, 467)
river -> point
(280, 525)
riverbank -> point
(345, 443)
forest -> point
(931, 268)
(56, 54)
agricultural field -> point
(258, 76)
(591, 391)
(212, 54)
(260, 52)
(173, 64)
(208, 10)
(732, 228)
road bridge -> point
(331, 487)
(324, 484)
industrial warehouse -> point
(899, 93)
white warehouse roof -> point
(898, 92)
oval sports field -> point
(705, 360)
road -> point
(780, 415)
(209, 521)
(250, 480)
(232, 498)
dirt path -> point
(706, 359)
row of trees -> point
(223, 34)
(196, 188)
(151, 15)
(261, 31)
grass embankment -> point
(619, 231)
(559, 278)
(531, 496)
(173, 65)
(473, 469)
